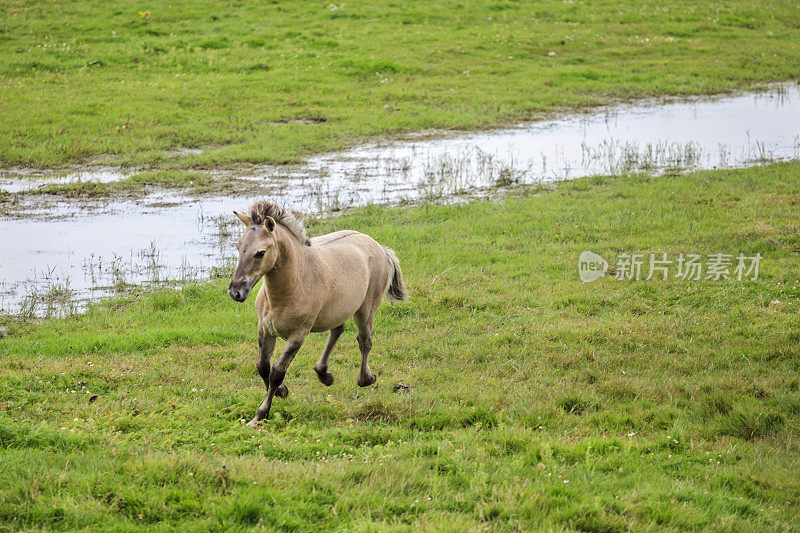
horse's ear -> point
(246, 220)
(269, 224)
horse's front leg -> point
(276, 375)
(266, 345)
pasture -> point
(510, 395)
(188, 85)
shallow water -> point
(94, 248)
(21, 179)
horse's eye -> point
(260, 254)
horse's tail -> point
(397, 289)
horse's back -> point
(346, 242)
(339, 238)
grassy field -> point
(533, 401)
(200, 84)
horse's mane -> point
(292, 220)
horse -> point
(310, 285)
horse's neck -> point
(287, 274)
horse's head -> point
(258, 251)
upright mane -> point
(292, 220)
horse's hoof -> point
(326, 378)
(366, 381)
(282, 391)
(253, 424)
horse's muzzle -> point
(238, 291)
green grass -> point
(254, 81)
(536, 401)
(139, 183)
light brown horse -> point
(309, 285)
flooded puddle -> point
(16, 180)
(58, 253)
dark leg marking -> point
(276, 375)
(365, 377)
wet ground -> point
(59, 252)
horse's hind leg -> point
(364, 320)
(322, 363)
